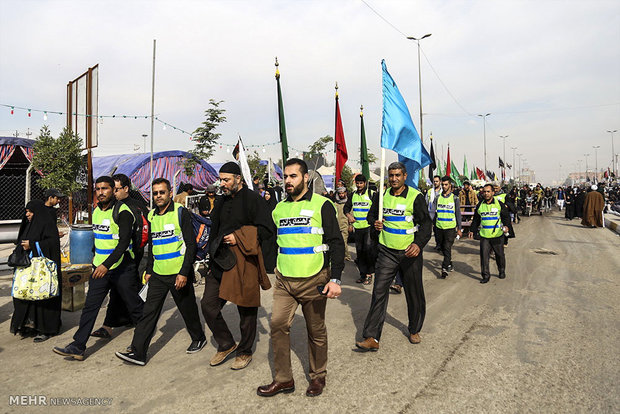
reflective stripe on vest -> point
(167, 241)
(361, 207)
(300, 236)
(398, 229)
(490, 223)
(105, 231)
(446, 217)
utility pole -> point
(514, 166)
(503, 137)
(484, 122)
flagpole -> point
(152, 121)
(381, 180)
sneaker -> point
(368, 280)
(70, 350)
(196, 346)
(450, 267)
(221, 356)
(444, 273)
(396, 288)
(241, 361)
(131, 357)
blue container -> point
(81, 243)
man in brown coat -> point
(240, 223)
(593, 209)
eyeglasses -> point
(162, 192)
(117, 189)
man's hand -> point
(413, 250)
(180, 282)
(505, 229)
(332, 290)
(351, 218)
(230, 239)
(379, 225)
(100, 272)
(350, 229)
(147, 277)
(459, 233)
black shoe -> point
(131, 357)
(444, 273)
(396, 289)
(196, 346)
(361, 279)
(485, 280)
(70, 351)
(450, 267)
(41, 338)
(502, 275)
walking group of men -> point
(310, 262)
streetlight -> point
(484, 122)
(613, 161)
(513, 162)
(519, 169)
(586, 155)
(144, 138)
(596, 147)
(417, 40)
(503, 137)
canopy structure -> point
(8, 146)
(166, 164)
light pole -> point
(596, 147)
(586, 155)
(417, 40)
(484, 122)
(503, 137)
(512, 170)
(144, 139)
(519, 169)
(613, 161)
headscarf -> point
(33, 230)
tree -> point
(347, 177)
(205, 137)
(314, 156)
(59, 160)
(255, 167)
(372, 158)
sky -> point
(548, 72)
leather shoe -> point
(485, 280)
(221, 356)
(368, 344)
(275, 388)
(502, 276)
(316, 387)
(415, 338)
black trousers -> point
(185, 299)
(117, 313)
(212, 305)
(445, 240)
(497, 245)
(389, 262)
(122, 279)
(364, 250)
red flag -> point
(480, 173)
(448, 169)
(341, 146)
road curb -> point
(612, 225)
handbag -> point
(19, 257)
(38, 281)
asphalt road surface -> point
(545, 339)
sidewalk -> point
(612, 222)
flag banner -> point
(433, 165)
(363, 149)
(490, 175)
(465, 169)
(473, 174)
(456, 177)
(509, 166)
(340, 144)
(398, 132)
(281, 124)
(243, 163)
(501, 163)
(449, 165)
(480, 174)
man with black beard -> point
(237, 208)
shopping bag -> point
(38, 281)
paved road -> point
(543, 340)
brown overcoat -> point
(593, 209)
(240, 285)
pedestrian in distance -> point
(447, 223)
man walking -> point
(356, 210)
(447, 223)
(309, 241)
(340, 199)
(114, 265)
(240, 225)
(431, 195)
(172, 249)
(400, 247)
(494, 219)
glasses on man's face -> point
(162, 192)
(117, 189)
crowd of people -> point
(296, 233)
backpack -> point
(140, 231)
(202, 228)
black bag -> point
(19, 258)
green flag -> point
(454, 174)
(281, 123)
(465, 170)
(363, 149)
(473, 174)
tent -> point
(166, 164)
(15, 158)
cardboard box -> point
(75, 274)
(73, 298)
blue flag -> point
(398, 132)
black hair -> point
(188, 187)
(123, 179)
(446, 178)
(105, 179)
(303, 167)
(161, 180)
(436, 176)
(398, 166)
(488, 185)
(360, 178)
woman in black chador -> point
(38, 318)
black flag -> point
(501, 163)
(432, 166)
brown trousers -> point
(288, 294)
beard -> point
(295, 190)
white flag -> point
(243, 163)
